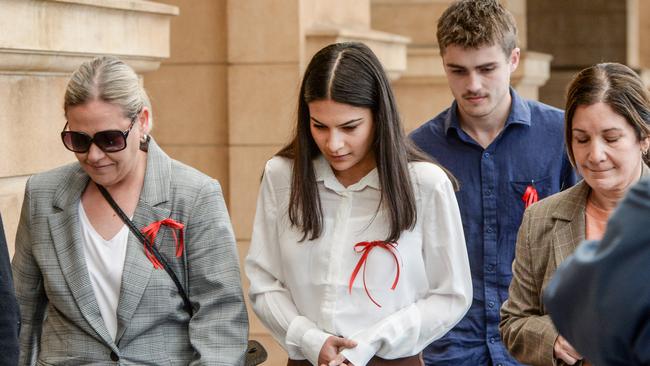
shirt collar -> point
(519, 113)
(325, 174)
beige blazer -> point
(550, 231)
(61, 322)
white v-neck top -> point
(300, 289)
(105, 262)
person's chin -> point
(102, 177)
(476, 110)
(340, 166)
(103, 181)
(601, 184)
(599, 175)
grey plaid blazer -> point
(550, 231)
(61, 322)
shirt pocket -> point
(515, 209)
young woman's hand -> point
(329, 354)
(564, 351)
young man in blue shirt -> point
(505, 151)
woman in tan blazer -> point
(607, 116)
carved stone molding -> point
(55, 36)
(389, 48)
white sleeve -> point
(409, 330)
(271, 300)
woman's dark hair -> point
(615, 85)
(350, 73)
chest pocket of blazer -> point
(166, 245)
(161, 304)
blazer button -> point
(114, 356)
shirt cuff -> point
(312, 343)
(361, 354)
(304, 335)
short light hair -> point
(477, 23)
(616, 85)
(111, 80)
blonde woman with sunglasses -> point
(125, 255)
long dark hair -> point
(350, 73)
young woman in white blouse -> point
(357, 254)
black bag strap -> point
(143, 239)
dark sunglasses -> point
(108, 141)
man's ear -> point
(513, 60)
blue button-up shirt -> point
(528, 151)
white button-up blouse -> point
(299, 290)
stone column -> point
(422, 91)
(41, 43)
(578, 34)
(264, 55)
(189, 91)
(638, 37)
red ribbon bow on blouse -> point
(365, 248)
(151, 232)
(530, 195)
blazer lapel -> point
(66, 236)
(569, 228)
(137, 267)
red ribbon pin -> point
(151, 232)
(365, 248)
(530, 195)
